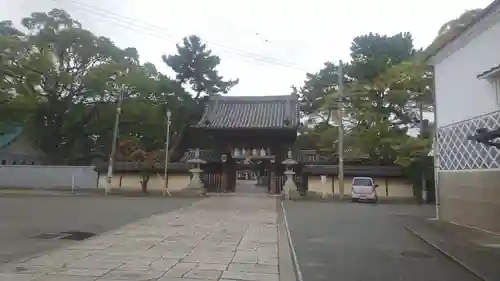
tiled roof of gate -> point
(259, 112)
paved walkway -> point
(218, 238)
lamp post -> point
(168, 114)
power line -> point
(163, 33)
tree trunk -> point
(144, 183)
(176, 145)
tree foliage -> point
(196, 66)
(130, 151)
(316, 88)
(63, 82)
(385, 86)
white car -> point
(364, 189)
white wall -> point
(40, 177)
(459, 94)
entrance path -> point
(218, 238)
(244, 187)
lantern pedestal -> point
(289, 185)
(195, 186)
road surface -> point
(364, 242)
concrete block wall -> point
(47, 177)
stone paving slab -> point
(219, 238)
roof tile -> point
(206, 155)
(251, 112)
(488, 71)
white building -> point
(467, 95)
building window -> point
(14, 162)
(4, 162)
(492, 75)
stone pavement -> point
(218, 238)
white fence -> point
(47, 177)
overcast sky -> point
(268, 44)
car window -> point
(362, 182)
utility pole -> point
(436, 169)
(115, 137)
(423, 181)
(341, 129)
(168, 114)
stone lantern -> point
(289, 184)
(195, 185)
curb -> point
(445, 253)
(297, 271)
(48, 194)
(476, 228)
(65, 193)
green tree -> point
(7, 28)
(196, 66)
(12, 106)
(130, 151)
(372, 54)
(371, 110)
(69, 72)
(317, 86)
(69, 60)
(384, 85)
(322, 137)
(409, 90)
(147, 95)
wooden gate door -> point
(213, 177)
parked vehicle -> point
(364, 189)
